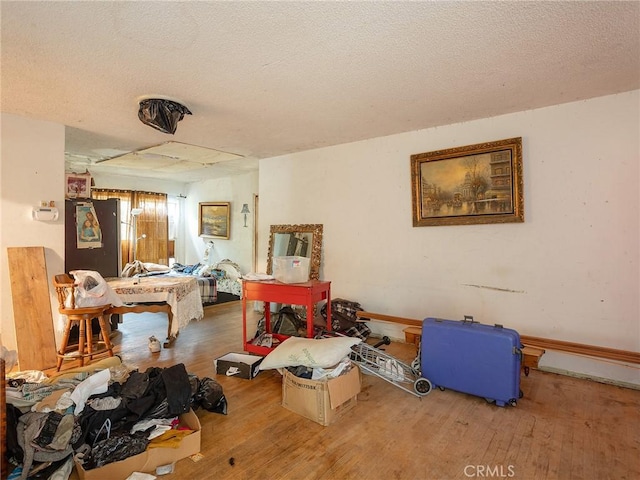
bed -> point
(217, 283)
(206, 286)
(228, 278)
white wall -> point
(32, 170)
(238, 190)
(570, 272)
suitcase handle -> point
(519, 352)
(469, 319)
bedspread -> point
(208, 289)
(229, 283)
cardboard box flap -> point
(344, 387)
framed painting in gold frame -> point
(468, 185)
(213, 219)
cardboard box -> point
(291, 269)
(152, 458)
(241, 365)
(323, 401)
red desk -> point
(306, 294)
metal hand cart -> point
(377, 362)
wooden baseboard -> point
(389, 318)
(582, 349)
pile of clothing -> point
(99, 417)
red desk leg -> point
(244, 322)
(267, 316)
(329, 328)
(310, 319)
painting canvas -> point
(468, 185)
(214, 220)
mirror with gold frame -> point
(303, 240)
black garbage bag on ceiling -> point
(162, 114)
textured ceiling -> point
(269, 78)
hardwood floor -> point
(563, 428)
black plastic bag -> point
(211, 397)
(118, 446)
(162, 114)
(194, 381)
(290, 323)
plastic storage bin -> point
(292, 269)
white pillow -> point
(156, 267)
(310, 352)
(232, 269)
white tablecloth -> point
(181, 294)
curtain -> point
(154, 223)
(151, 226)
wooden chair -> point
(66, 290)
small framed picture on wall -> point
(77, 185)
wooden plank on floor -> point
(33, 320)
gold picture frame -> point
(214, 219)
(468, 185)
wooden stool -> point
(530, 358)
(65, 289)
(413, 335)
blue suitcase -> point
(470, 357)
